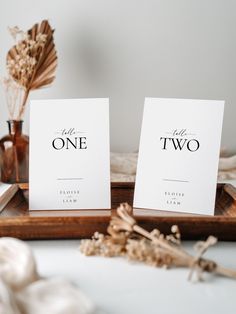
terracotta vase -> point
(14, 154)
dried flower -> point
(101, 245)
(127, 239)
(14, 95)
(16, 32)
(31, 64)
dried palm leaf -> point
(33, 60)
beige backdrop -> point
(129, 49)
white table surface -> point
(117, 286)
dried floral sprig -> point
(31, 64)
(14, 95)
(126, 238)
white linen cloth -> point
(123, 167)
(24, 291)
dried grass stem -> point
(127, 238)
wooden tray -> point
(17, 221)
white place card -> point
(69, 154)
(179, 155)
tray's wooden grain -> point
(17, 221)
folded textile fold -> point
(24, 291)
(123, 167)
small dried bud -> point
(124, 211)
